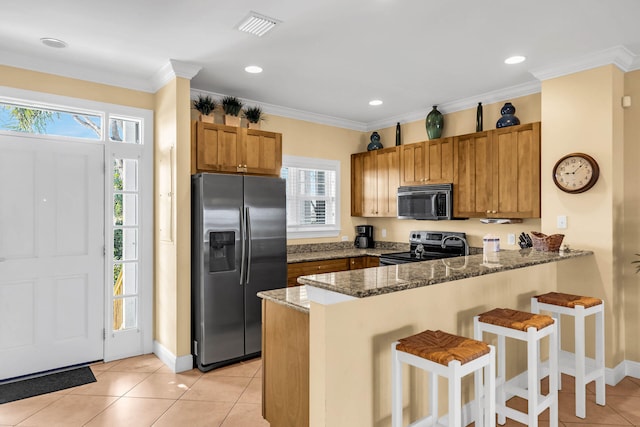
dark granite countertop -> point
(381, 280)
(294, 297)
(335, 250)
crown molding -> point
(172, 69)
(505, 94)
(619, 56)
(292, 113)
(17, 60)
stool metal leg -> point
(396, 388)
(455, 395)
(553, 379)
(433, 397)
(600, 389)
(580, 363)
(533, 383)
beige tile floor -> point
(141, 391)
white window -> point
(313, 196)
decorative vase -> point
(253, 125)
(398, 134)
(508, 118)
(434, 123)
(206, 118)
(479, 117)
(375, 142)
(230, 120)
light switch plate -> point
(562, 222)
(511, 239)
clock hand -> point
(576, 169)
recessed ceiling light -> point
(253, 69)
(51, 42)
(514, 59)
(375, 102)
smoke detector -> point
(257, 24)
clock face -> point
(575, 173)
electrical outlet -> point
(345, 238)
(562, 222)
(511, 239)
(384, 232)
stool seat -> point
(442, 347)
(567, 300)
(514, 319)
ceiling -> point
(327, 59)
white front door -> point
(51, 254)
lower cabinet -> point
(297, 269)
(285, 365)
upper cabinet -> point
(220, 148)
(375, 177)
(428, 162)
(497, 173)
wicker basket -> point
(542, 242)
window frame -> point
(311, 231)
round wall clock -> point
(576, 173)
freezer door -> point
(218, 295)
(265, 213)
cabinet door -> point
(473, 195)
(439, 161)
(356, 263)
(216, 146)
(373, 261)
(357, 184)
(388, 180)
(412, 163)
(516, 175)
(370, 185)
(261, 152)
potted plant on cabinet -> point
(254, 116)
(232, 107)
(205, 106)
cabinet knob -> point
(488, 211)
(494, 212)
(239, 166)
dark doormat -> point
(45, 384)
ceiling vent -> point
(257, 24)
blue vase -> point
(434, 123)
(375, 142)
(508, 118)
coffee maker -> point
(364, 236)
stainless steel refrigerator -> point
(238, 249)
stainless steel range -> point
(429, 245)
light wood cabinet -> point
(228, 149)
(428, 162)
(285, 365)
(375, 177)
(297, 269)
(497, 173)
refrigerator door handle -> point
(243, 232)
(248, 219)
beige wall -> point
(582, 113)
(458, 123)
(172, 326)
(64, 86)
(630, 242)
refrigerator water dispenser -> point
(222, 246)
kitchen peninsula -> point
(355, 316)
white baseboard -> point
(176, 364)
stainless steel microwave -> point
(429, 202)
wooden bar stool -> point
(582, 369)
(452, 357)
(530, 328)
